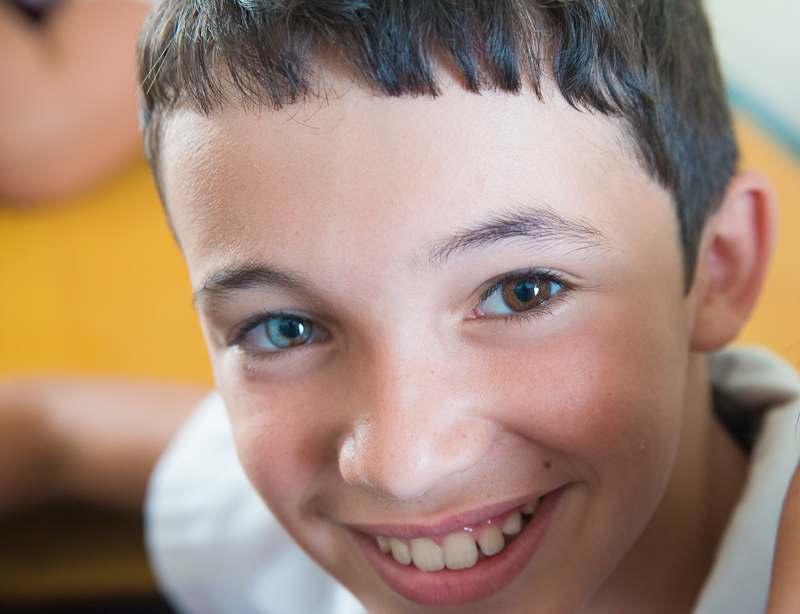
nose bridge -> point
(414, 424)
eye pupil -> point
(284, 332)
(291, 328)
(525, 294)
(526, 291)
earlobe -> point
(734, 256)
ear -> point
(733, 259)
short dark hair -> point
(651, 63)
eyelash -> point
(257, 320)
(535, 313)
(540, 275)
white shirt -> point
(216, 549)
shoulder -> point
(762, 385)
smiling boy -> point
(459, 267)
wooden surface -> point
(71, 553)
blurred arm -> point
(784, 592)
(93, 440)
(67, 96)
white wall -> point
(759, 46)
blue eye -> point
(281, 332)
(520, 293)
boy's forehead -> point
(354, 147)
(345, 106)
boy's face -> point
(424, 314)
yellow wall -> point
(776, 321)
(96, 285)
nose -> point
(413, 428)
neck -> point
(667, 567)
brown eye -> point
(526, 294)
(520, 292)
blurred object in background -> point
(96, 296)
(100, 353)
(759, 50)
(74, 559)
(775, 322)
(67, 94)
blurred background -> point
(760, 53)
(93, 285)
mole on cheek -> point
(547, 464)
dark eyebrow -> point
(539, 224)
(221, 284)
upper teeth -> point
(427, 555)
(491, 540)
(457, 550)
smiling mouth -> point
(462, 559)
(460, 549)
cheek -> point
(605, 400)
(283, 440)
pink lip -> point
(455, 523)
(457, 588)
